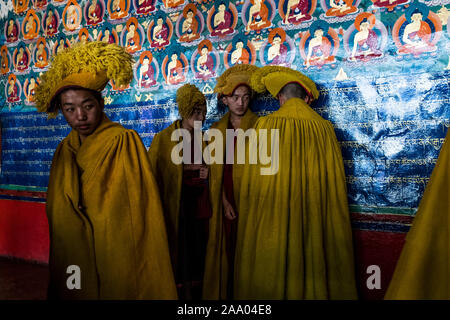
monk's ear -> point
(102, 103)
(224, 100)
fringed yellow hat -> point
(274, 78)
(88, 66)
(188, 96)
(233, 77)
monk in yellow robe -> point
(294, 235)
(233, 89)
(107, 232)
(183, 185)
(423, 269)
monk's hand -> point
(192, 166)
(204, 172)
(228, 208)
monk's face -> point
(238, 101)
(198, 114)
(82, 111)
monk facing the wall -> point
(107, 229)
(294, 236)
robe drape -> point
(216, 266)
(294, 235)
(423, 269)
(118, 238)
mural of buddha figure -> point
(94, 13)
(319, 50)
(51, 24)
(258, 16)
(189, 27)
(240, 55)
(160, 34)
(31, 90)
(277, 53)
(13, 89)
(145, 6)
(4, 62)
(205, 63)
(132, 38)
(41, 57)
(417, 35)
(30, 25)
(146, 71)
(365, 42)
(175, 72)
(297, 11)
(22, 60)
(340, 8)
(222, 21)
(12, 31)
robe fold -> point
(169, 177)
(105, 217)
(216, 265)
(294, 235)
(423, 269)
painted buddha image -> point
(72, 16)
(41, 55)
(258, 16)
(12, 31)
(159, 34)
(277, 53)
(50, 24)
(144, 6)
(175, 70)
(20, 6)
(319, 47)
(30, 25)
(60, 45)
(190, 26)
(4, 62)
(40, 4)
(365, 42)
(118, 9)
(108, 36)
(30, 90)
(204, 66)
(388, 3)
(132, 37)
(417, 34)
(340, 8)
(172, 3)
(94, 13)
(13, 94)
(297, 11)
(83, 36)
(222, 19)
(146, 70)
(22, 59)
(240, 55)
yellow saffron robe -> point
(119, 239)
(294, 233)
(169, 177)
(423, 269)
(216, 265)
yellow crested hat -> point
(88, 66)
(189, 96)
(234, 77)
(274, 78)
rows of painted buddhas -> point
(160, 37)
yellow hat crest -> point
(234, 77)
(89, 66)
(189, 96)
(274, 78)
